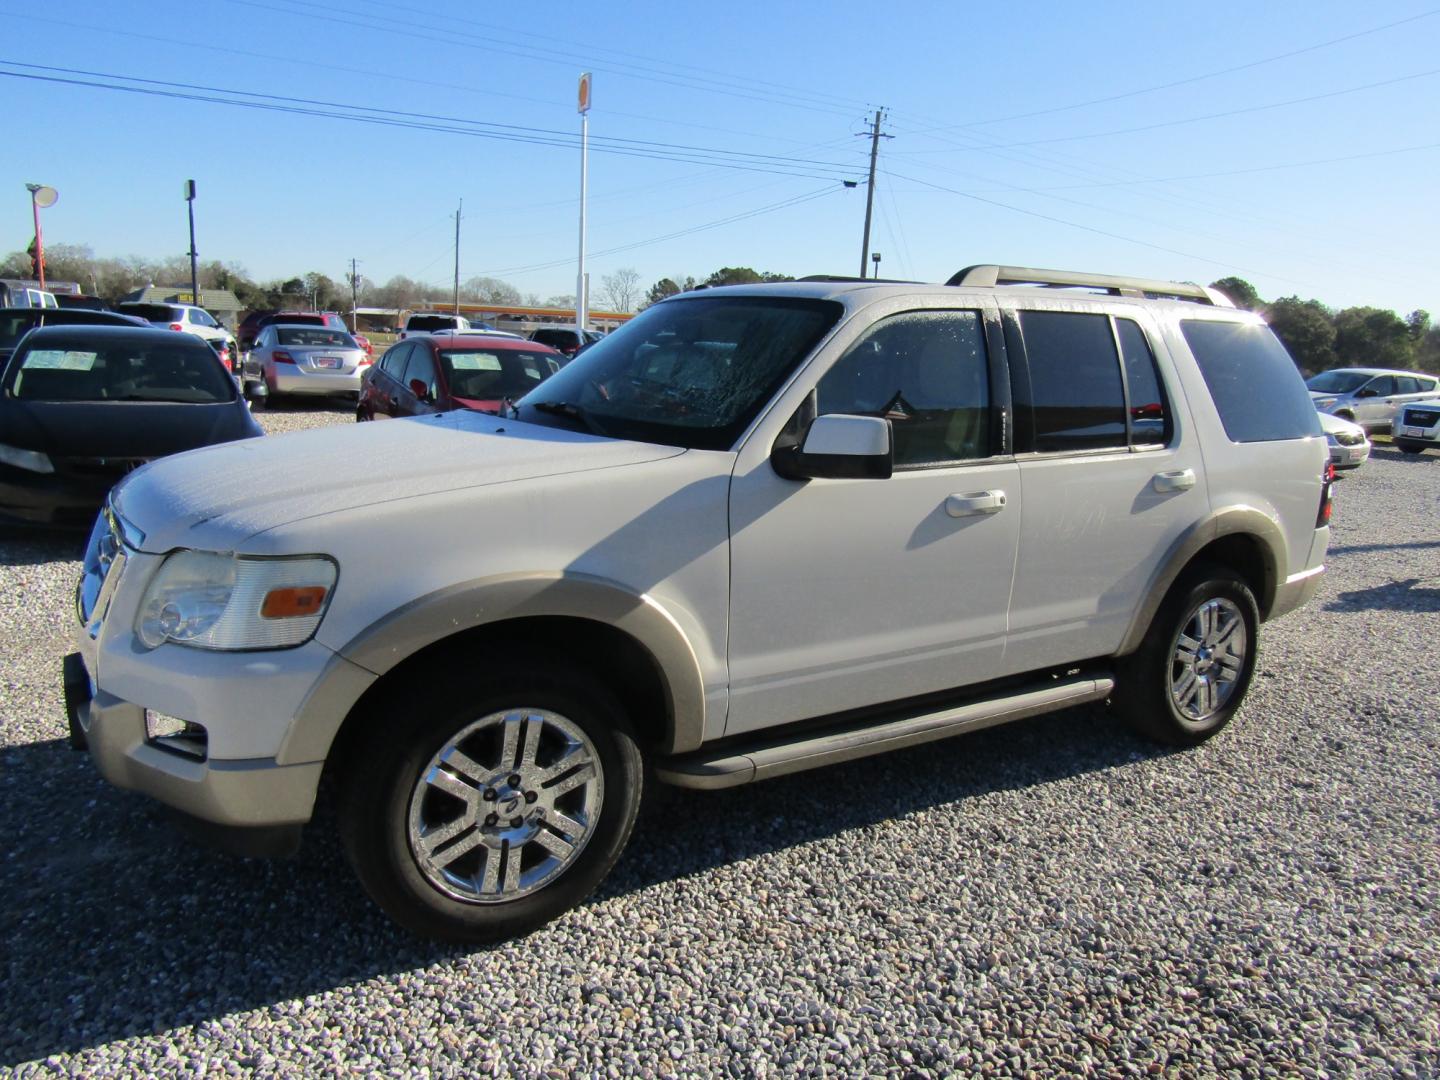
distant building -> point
(221, 303)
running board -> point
(763, 759)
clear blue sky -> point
(1221, 173)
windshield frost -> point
(690, 372)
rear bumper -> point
(1296, 591)
(298, 381)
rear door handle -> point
(975, 502)
(1179, 480)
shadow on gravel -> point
(1395, 596)
(113, 926)
(1412, 546)
(26, 547)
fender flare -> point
(1227, 521)
(402, 633)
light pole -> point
(582, 301)
(194, 268)
(40, 197)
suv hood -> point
(244, 488)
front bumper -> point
(1349, 457)
(246, 793)
(50, 500)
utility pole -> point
(875, 136)
(354, 296)
(194, 266)
(582, 280)
(457, 255)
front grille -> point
(1420, 417)
(97, 468)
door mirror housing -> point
(839, 446)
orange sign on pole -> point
(584, 102)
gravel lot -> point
(1053, 896)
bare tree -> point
(620, 290)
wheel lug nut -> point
(530, 796)
(516, 822)
(514, 779)
(492, 819)
(488, 795)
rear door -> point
(1109, 479)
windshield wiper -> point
(573, 412)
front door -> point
(849, 593)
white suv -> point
(755, 530)
(183, 317)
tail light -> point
(365, 361)
(177, 326)
(224, 355)
(280, 356)
(1327, 483)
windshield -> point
(178, 371)
(318, 338)
(490, 375)
(1338, 382)
(690, 372)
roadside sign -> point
(584, 103)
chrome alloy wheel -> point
(506, 806)
(1208, 658)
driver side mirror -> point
(839, 446)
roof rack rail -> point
(990, 275)
(866, 280)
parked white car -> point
(183, 317)
(1417, 426)
(755, 530)
(1369, 396)
(1349, 445)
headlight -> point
(30, 460)
(209, 600)
(1325, 402)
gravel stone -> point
(1051, 897)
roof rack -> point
(990, 275)
(866, 280)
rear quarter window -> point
(1255, 385)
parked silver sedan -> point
(307, 360)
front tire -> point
(1191, 672)
(473, 815)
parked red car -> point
(438, 372)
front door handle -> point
(975, 502)
(1179, 480)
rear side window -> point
(1255, 385)
(1149, 409)
(1076, 396)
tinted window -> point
(1405, 385)
(83, 370)
(925, 371)
(556, 339)
(200, 318)
(1075, 397)
(331, 339)
(1149, 409)
(156, 313)
(393, 362)
(1381, 387)
(421, 368)
(1256, 387)
(428, 323)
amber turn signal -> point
(296, 600)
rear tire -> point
(1408, 447)
(476, 813)
(1191, 672)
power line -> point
(717, 158)
(1183, 82)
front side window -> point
(925, 372)
(691, 372)
(86, 371)
(1255, 385)
(1384, 386)
(421, 369)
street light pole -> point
(194, 265)
(582, 301)
(41, 196)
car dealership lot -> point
(1054, 895)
